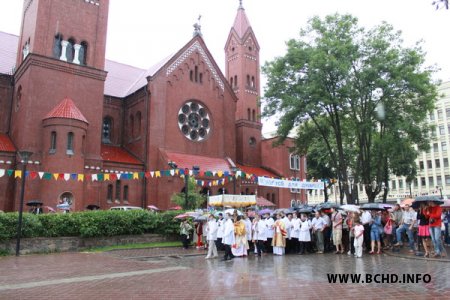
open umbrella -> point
(264, 211)
(200, 218)
(446, 203)
(350, 207)
(152, 207)
(372, 206)
(34, 203)
(327, 205)
(176, 208)
(407, 201)
(425, 199)
(182, 216)
(63, 206)
(49, 209)
(306, 210)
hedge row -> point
(89, 224)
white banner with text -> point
(290, 184)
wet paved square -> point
(179, 274)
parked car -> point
(126, 208)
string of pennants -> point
(225, 176)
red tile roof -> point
(205, 163)
(66, 109)
(6, 145)
(261, 201)
(118, 154)
(241, 23)
(256, 171)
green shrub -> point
(90, 224)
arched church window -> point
(196, 74)
(52, 142)
(253, 82)
(131, 126)
(70, 50)
(191, 75)
(138, 124)
(125, 193)
(117, 198)
(70, 138)
(106, 130)
(294, 162)
(249, 116)
(200, 77)
(253, 115)
(109, 193)
(82, 53)
(235, 80)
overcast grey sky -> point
(142, 32)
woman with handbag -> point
(389, 231)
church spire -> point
(241, 23)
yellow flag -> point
(157, 174)
(17, 173)
(135, 175)
(106, 177)
(219, 173)
(55, 175)
(80, 177)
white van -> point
(126, 208)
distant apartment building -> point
(433, 176)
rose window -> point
(194, 121)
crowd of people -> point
(327, 230)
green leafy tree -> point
(194, 199)
(360, 91)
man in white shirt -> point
(248, 231)
(220, 229)
(211, 236)
(326, 231)
(366, 221)
(228, 237)
(295, 233)
(318, 225)
(287, 224)
(409, 218)
(259, 234)
(269, 233)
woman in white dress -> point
(305, 233)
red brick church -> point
(106, 133)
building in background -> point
(433, 176)
(105, 133)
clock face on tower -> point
(194, 121)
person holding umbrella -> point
(433, 214)
(185, 228)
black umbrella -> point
(327, 205)
(424, 199)
(34, 203)
(372, 206)
(306, 210)
(92, 207)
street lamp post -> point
(440, 191)
(24, 155)
(234, 170)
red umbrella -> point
(152, 207)
(176, 208)
(182, 216)
(49, 209)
